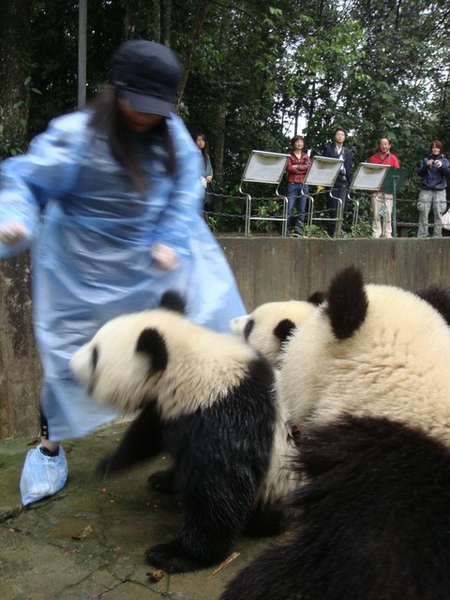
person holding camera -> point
(433, 170)
(342, 185)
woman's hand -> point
(13, 232)
(165, 256)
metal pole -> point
(82, 28)
(394, 205)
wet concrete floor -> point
(87, 541)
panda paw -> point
(171, 559)
(162, 481)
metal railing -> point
(230, 215)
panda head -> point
(269, 326)
(161, 356)
(370, 350)
(123, 362)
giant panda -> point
(366, 377)
(269, 325)
(208, 399)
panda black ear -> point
(172, 300)
(284, 329)
(152, 344)
(347, 303)
(317, 298)
(439, 299)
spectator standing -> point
(297, 166)
(207, 172)
(109, 201)
(382, 203)
(433, 171)
(342, 185)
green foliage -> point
(13, 144)
(260, 69)
(12, 138)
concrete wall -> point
(266, 269)
(284, 268)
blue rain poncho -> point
(90, 239)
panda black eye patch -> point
(94, 358)
(248, 328)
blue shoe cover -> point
(42, 475)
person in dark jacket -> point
(433, 170)
(343, 181)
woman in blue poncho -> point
(109, 200)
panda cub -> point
(374, 451)
(208, 399)
(269, 326)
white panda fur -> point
(365, 376)
(209, 398)
(268, 327)
(391, 374)
(208, 364)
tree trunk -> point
(20, 372)
(219, 141)
(157, 20)
(196, 31)
(15, 62)
(166, 22)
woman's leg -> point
(423, 206)
(292, 196)
(302, 205)
(439, 207)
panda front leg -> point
(142, 440)
(212, 522)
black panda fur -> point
(374, 518)
(209, 400)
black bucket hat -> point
(148, 75)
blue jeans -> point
(297, 196)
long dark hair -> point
(205, 149)
(108, 118)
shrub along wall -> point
(266, 269)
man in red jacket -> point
(382, 203)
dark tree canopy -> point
(255, 73)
